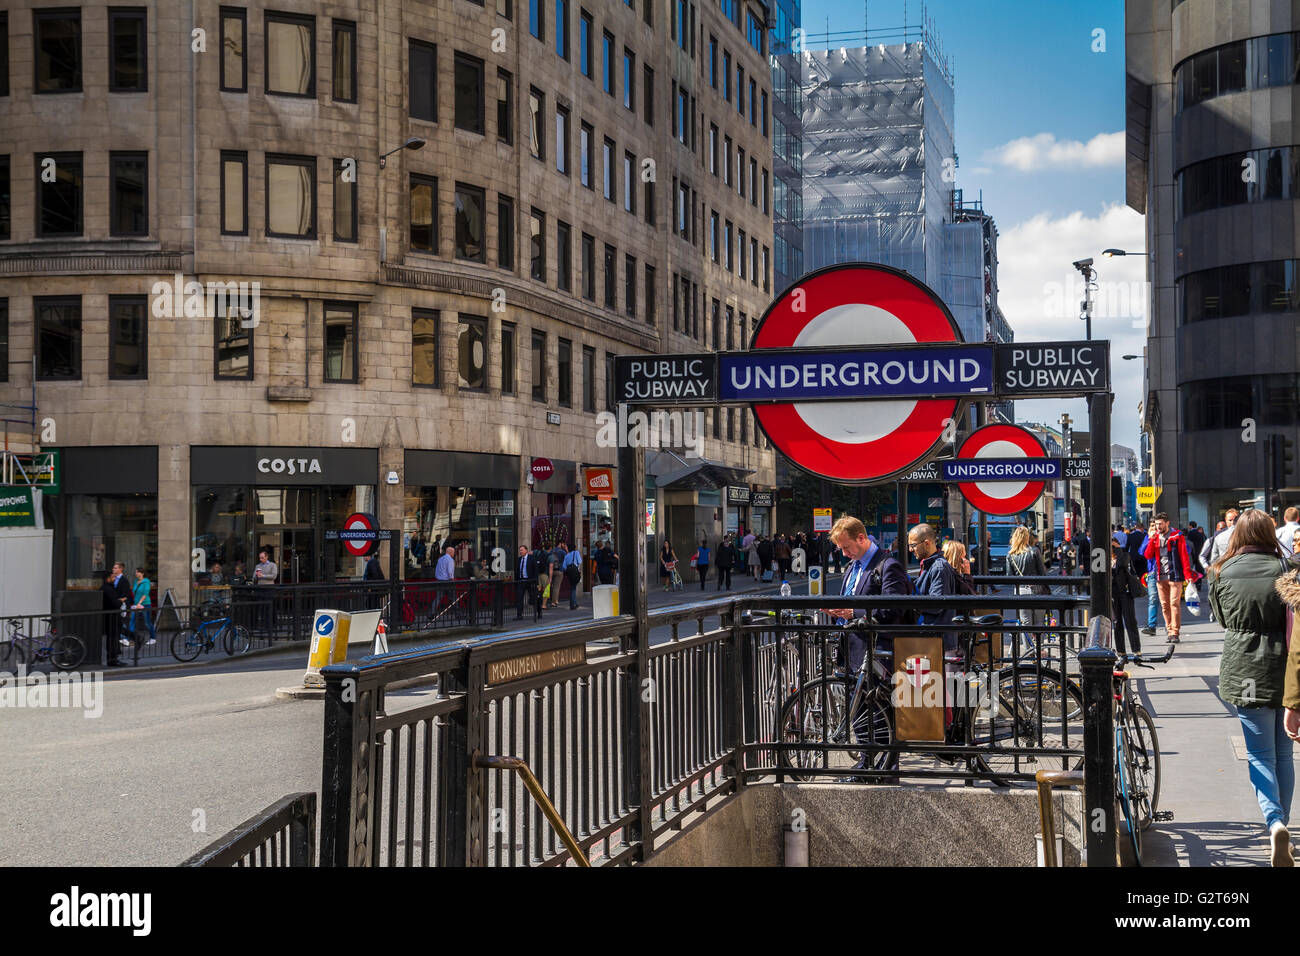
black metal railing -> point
(284, 834)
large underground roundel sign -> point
(856, 304)
(364, 523)
(1002, 442)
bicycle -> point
(189, 643)
(1137, 762)
(61, 651)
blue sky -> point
(1039, 129)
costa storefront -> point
(280, 499)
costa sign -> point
(289, 466)
(542, 469)
(1009, 454)
(859, 305)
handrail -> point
(1049, 780)
(296, 811)
(486, 762)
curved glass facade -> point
(1220, 403)
(1253, 64)
(1245, 289)
(1252, 176)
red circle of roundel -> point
(908, 308)
(360, 521)
(1016, 501)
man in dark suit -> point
(117, 596)
(526, 578)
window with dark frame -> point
(234, 193)
(562, 140)
(424, 213)
(56, 44)
(607, 63)
(562, 29)
(537, 240)
(539, 367)
(4, 81)
(648, 96)
(536, 24)
(610, 383)
(564, 373)
(504, 9)
(58, 338)
(59, 202)
(585, 137)
(232, 352)
(128, 63)
(588, 268)
(610, 175)
(650, 312)
(128, 337)
(588, 379)
(469, 79)
(4, 340)
(537, 133)
(629, 80)
(629, 183)
(345, 200)
(585, 26)
(344, 55)
(6, 202)
(234, 63)
(611, 288)
(340, 355)
(290, 53)
(424, 348)
(564, 256)
(471, 353)
(629, 285)
(507, 358)
(506, 232)
(422, 89)
(290, 196)
(471, 215)
(505, 106)
(650, 202)
(128, 175)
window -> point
(629, 285)
(677, 303)
(767, 275)
(58, 338)
(565, 374)
(650, 202)
(629, 79)
(610, 376)
(5, 202)
(537, 237)
(763, 113)
(726, 245)
(754, 31)
(57, 46)
(505, 106)
(128, 70)
(127, 337)
(740, 89)
(536, 136)
(611, 264)
(726, 76)
(562, 140)
(471, 361)
(340, 342)
(424, 213)
(424, 348)
(471, 211)
(584, 43)
(629, 183)
(234, 194)
(753, 182)
(753, 100)
(129, 194)
(588, 268)
(232, 346)
(291, 196)
(648, 93)
(713, 149)
(650, 294)
(740, 171)
(683, 211)
(423, 91)
(4, 91)
(731, 328)
(562, 29)
(564, 256)
(345, 201)
(507, 358)
(345, 61)
(539, 367)
(290, 54)
(713, 61)
(588, 379)
(535, 14)
(646, 13)
(713, 235)
(469, 93)
(716, 323)
(584, 149)
(234, 67)
(726, 160)
(607, 63)
(58, 205)
(684, 117)
(753, 261)
(609, 170)
(4, 340)
(766, 206)
(506, 233)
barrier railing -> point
(284, 834)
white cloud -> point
(1039, 292)
(1043, 151)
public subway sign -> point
(1045, 368)
(666, 379)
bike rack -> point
(1048, 781)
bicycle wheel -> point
(1129, 830)
(67, 651)
(1049, 718)
(817, 714)
(1146, 764)
(235, 639)
(187, 645)
(12, 656)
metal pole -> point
(900, 492)
(1100, 808)
(632, 602)
(1099, 488)
(982, 534)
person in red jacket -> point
(1172, 568)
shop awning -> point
(673, 473)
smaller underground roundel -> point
(1001, 441)
(359, 522)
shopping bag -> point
(1193, 598)
(695, 557)
(546, 595)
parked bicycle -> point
(62, 651)
(189, 643)
(1137, 762)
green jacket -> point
(1288, 587)
(1253, 667)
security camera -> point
(530, 479)
(1083, 265)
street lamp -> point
(414, 142)
(1089, 273)
(1111, 253)
(1128, 358)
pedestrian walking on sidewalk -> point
(1250, 602)
(701, 561)
(751, 556)
(667, 561)
(1286, 533)
(1172, 569)
(1125, 588)
(726, 560)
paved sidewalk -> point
(1217, 821)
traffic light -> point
(1282, 451)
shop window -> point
(105, 529)
(471, 361)
(58, 338)
(424, 348)
(290, 54)
(340, 342)
(128, 338)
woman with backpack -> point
(701, 561)
(1249, 591)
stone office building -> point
(578, 181)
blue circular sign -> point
(324, 624)
(814, 574)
